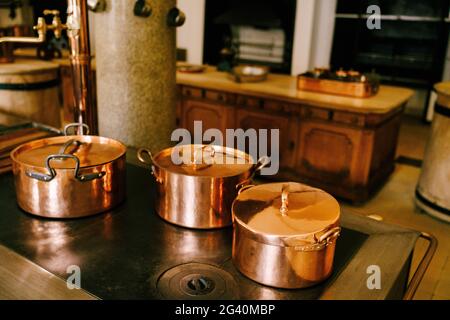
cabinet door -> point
(212, 115)
(247, 119)
(332, 154)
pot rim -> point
(14, 153)
(292, 241)
(252, 162)
(313, 237)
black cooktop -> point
(131, 253)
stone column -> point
(136, 66)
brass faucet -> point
(80, 58)
(41, 28)
(57, 26)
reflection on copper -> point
(200, 199)
(52, 242)
(298, 242)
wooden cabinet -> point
(258, 120)
(210, 114)
(335, 157)
(348, 154)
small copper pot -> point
(69, 176)
(285, 234)
(198, 193)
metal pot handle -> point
(76, 125)
(140, 155)
(262, 162)
(329, 235)
(68, 143)
(243, 188)
(317, 244)
(52, 172)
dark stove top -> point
(130, 253)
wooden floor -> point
(395, 203)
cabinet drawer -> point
(279, 106)
(316, 113)
(246, 101)
(349, 118)
(219, 96)
(192, 92)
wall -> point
(24, 16)
(190, 35)
(313, 37)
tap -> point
(41, 28)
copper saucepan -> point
(285, 234)
(198, 193)
(69, 176)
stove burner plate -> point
(197, 281)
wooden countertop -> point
(22, 279)
(282, 87)
(285, 87)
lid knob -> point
(284, 199)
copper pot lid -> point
(287, 213)
(204, 160)
(89, 150)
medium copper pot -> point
(198, 192)
(285, 234)
(69, 176)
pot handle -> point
(68, 143)
(329, 235)
(52, 172)
(76, 125)
(262, 162)
(140, 155)
(243, 188)
(316, 244)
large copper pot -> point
(198, 193)
(285, 234)
(69, 176)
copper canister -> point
(285, 234)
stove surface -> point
(131, 253)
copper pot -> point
(69, 176)
(285, 234)
(198, 192)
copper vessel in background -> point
(198, 194)
(69, 176)
(285, 234)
